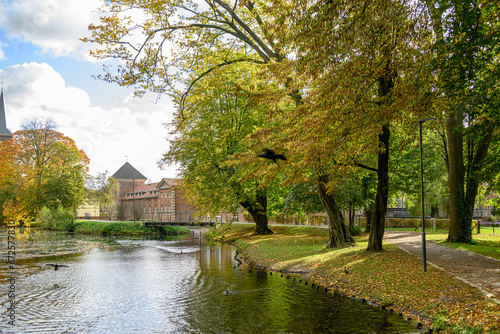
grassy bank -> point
(120, 229)
(484, 243)
(123, 229)
(391, 278)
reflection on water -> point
(33, 245)
(180, 286)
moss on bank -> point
(392, 278)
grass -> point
(126, 229)
(392, 278)
(485, 244)
(484, 230)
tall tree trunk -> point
(377, 224)
(337, 229)
(456, 176)
(258, 211)
(369, 218)
(351, 216)
(463, 183)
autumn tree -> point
(9, 179)
(218, 115)
(169, 40)
(466, 35)
(364, 71)
(175, 41)
(46, 170)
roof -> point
(143, 191)
(3, 123)
(128, 172)
(167, 182)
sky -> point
(47, 72)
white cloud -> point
(133, 128)
(54, 25)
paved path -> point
(477, 270)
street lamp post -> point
(424, 251)
(133, 194)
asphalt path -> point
(480, 271)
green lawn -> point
(485, 244)
(392, 278)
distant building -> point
(148, 198)
(89, 209)
(159, 201)
(128, 177)
(5, 134)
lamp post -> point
(424, 254)
(133, 194)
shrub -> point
(57, 219)
(356, 230)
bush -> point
(356, 230)
(57, 219)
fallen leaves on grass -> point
(391, 277)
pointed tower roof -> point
(128, 172)
(4, 132)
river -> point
(181, 285)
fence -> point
(415, 223)
(178, 217)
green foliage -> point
(57, 219)
(298, 199)
(405, 169)
(122, 229)
(111, 229)
(495, 211)
(104, 190)
(219, 114)
(356, 230)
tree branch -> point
(270, 53)
(184, 95)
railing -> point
(178, 217)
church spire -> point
(5, 134)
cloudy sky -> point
(47, 72)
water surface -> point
(179, 286)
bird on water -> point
(56, 266)
(271, 155)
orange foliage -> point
(28, 161)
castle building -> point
(128, 178)
(162, 201)
(5, 134)
(151, 200)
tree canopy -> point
(348, 82)
(43, 167)
(218, 115)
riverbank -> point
(124, 229)
(392, 279)
(35, 244)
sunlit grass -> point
(393, 277)
(125, 229)
(485, 244)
